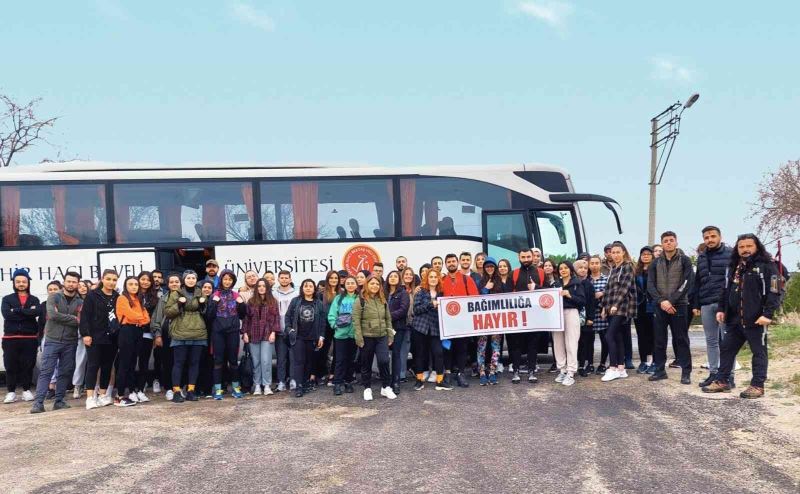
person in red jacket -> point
(456, 284)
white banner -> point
(518, 312)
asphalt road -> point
(625, 436)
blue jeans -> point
(714, 332)
(261, 353)
(60, 355)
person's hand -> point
(202, 300)
(159, 342)
(612, 311)
(589, 323)
(216, 298)
(320, 342)
(667, 307)
(489, 285)
(599, 295)
(360, 343)
(390, 342)
(696, 312)
(246, 338)
(565, 293)
(87, 340)
(272, 337)
(531, 285)
(721, 317)
(603, 314)
(182, 300)
(239, 299)
(435, 303)
(763, 321)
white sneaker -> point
(281, 386)
(76, 393)
(560, 377)
(91, 402)
(388, 392)
(623, 373)
(156, 387)
(368, 394)
(11, 397)
(267, 390)
(705, 366)
(257, 390)
(104, 400)
(183, 392)
(426, 375)
(142, 397)
(133, 397)
(27, 396)
(432, 377)
(611, 374)
(169, 395)
(499, 368)
(568, 380)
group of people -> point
(325, 333)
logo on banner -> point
(546, 301)
(360, 257)
(453, 308)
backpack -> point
(246, 369)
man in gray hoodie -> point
(60, 341)
(284, 292)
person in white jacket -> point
(284, 291)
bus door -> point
(505, 233)
(183, 258)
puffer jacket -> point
(709, 279)
(186, 320)
(372, 319)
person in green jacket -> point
(184, 308)
(372, 329)
(344, 345)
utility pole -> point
(664, 129)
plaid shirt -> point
(599, 323)
(621, 291)
(426, 316)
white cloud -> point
(551, 13)
(252, 17)
(667, 69)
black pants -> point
(99, 358)
(184, 355)
(343, 364)
(645, 335)
(615, 337)
(19, 359)
(303, 360)
(162, 361)
(375, 347)
(455, 359)
(226, 350)
(321, 368)
(528, 343)
(627, 341)
(426, 348)
(143, 363)
(586, 346)
(397, 357)
(732, 342)
(205, 377)
(679, 326)
(603, 347)
(129, 339)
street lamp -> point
(665, 128)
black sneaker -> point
(298, 392)
(582, 372)
(37, 408)
(674, 365)
(348, 388)
(601, 369)
(419, 385)
(642, 368)
(444, 385)
(731, 382)
(177, 397)
(710, 379)
(553, 369)
(686, 377)
(190, 396)
(60, 405)
(629, 364)
(658, 375)
(126, 402)
(51, 393)
(337, 390)
(461, 380)
(396, 388)
(590, 369)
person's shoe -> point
(706, 365)
(367, 394)
(169, 395)
(717, 387)
(432, 377)
(348, 388)
(218, 393)
(732, 382)
(560, 377)
(629, 364)
(337, 390)
(658, 375)
(674, 365)
(37, 408)
(257, 390)
(124, 402)
(268, 390)
(515, 378)
(27, 395)
(142, 397)
(396, 388)
(582, 372)
(133, 397)
(444, 385)
(156, 387)
(60, 405)
(651, 368)
(642, 368)
(237, 392)
(568, 380)
(403, 380)
(601, 369)
(292, 385)
(104, 400)
(426, 375)
(623, 374)
(499, 368)
(461, 380)
(590, 369)
(493, 379)
(553, 369)
(611, 374)
(532, 378)
(298, 392)
(51, 393)
(752, 392)
(76, 393)
(281, 387)
(91, 402)
(177, 398)
(710, 379)
(484, 381)
(388, 392)
(686, 378)
(11, 397)
(447, 380)
(475, 372)
(191, 396)
(419, 385)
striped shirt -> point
(599, 323)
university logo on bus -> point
(360, 257)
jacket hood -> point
(20, 272)
(223, 273)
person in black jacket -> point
(20, 336)
(586, 341)
(669, 282)
(305, 330)
(709, 280)
(98, 327)
(749, 300)
(399, 301)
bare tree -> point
(777, 207)
(20, 128)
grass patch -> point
(779, 336)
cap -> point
(212, 261)
(646, 248)
(607, 247)
(584, 255)
(490, 260)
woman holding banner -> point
(425, 338)
(565, 343)
(490, 283)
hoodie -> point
(227, 313)
(20, 316)
(284, 298)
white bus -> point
(307, 219)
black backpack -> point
(246, 369)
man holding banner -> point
(527, 277)
(453, 285)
